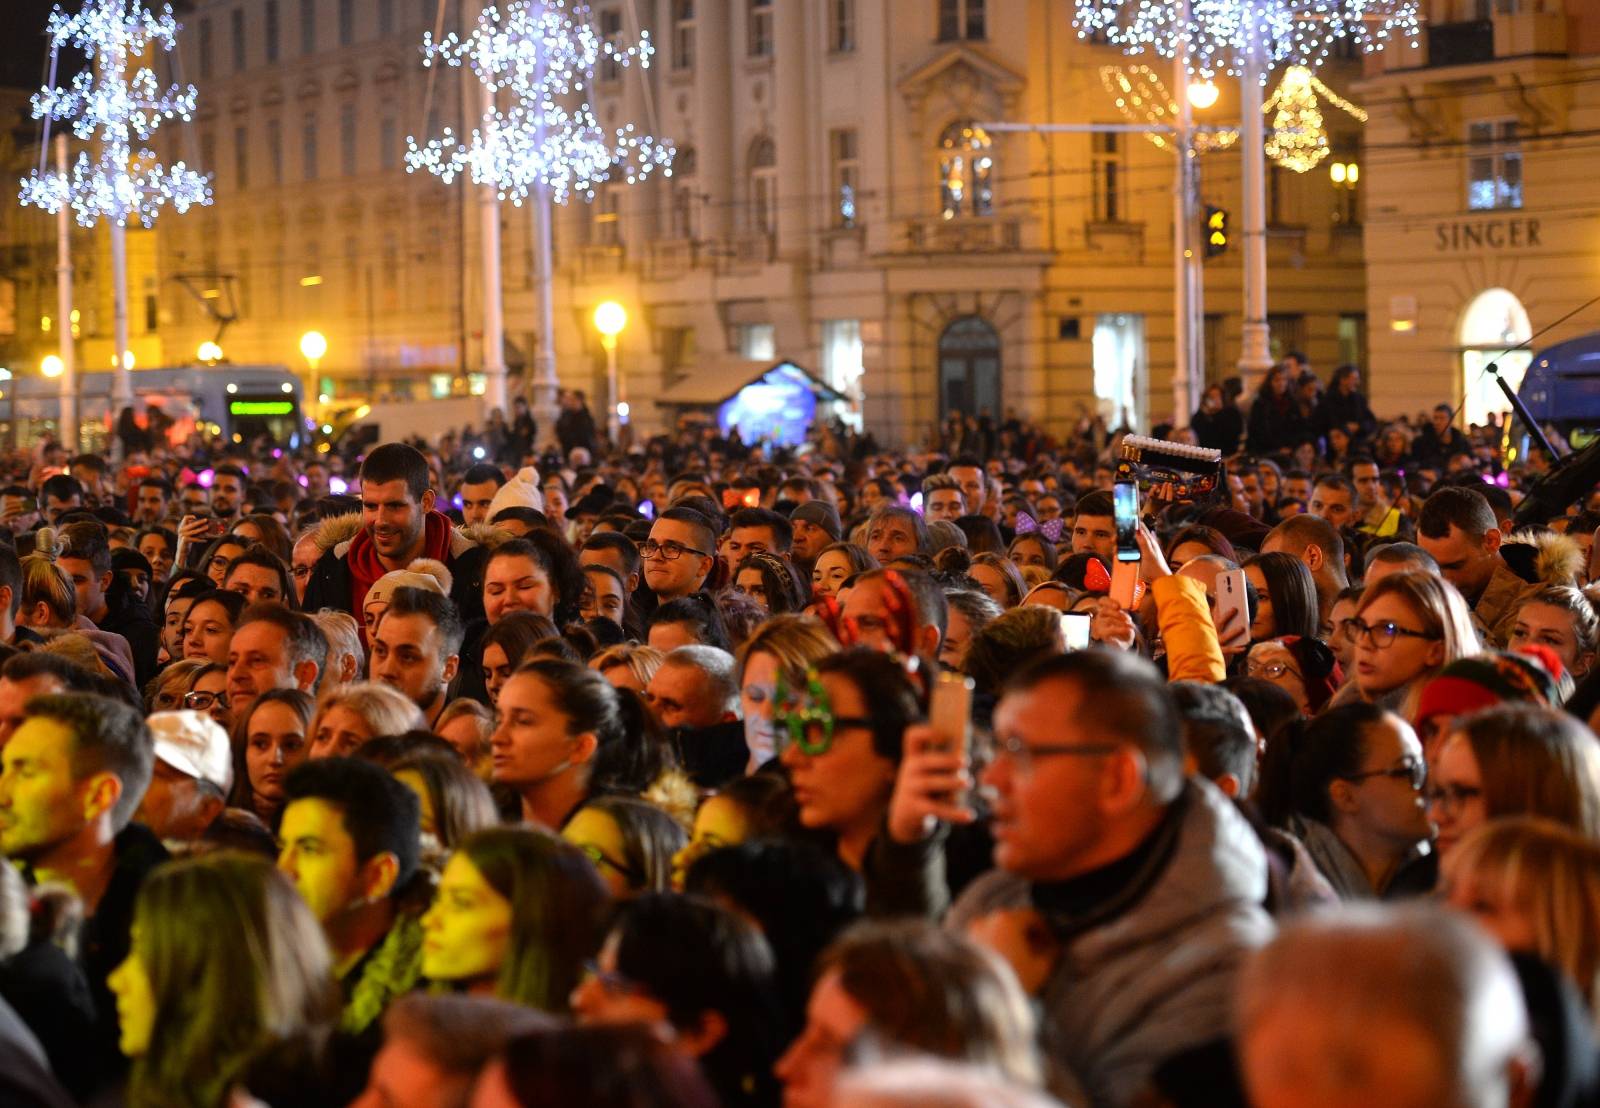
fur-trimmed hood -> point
(1543, 557)
(334, 530)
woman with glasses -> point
(1302, 667)
(702, 975)
(631, 843)
(1514, 759)
(275, 740)
(1406, 628)
(1348, 784)
(782, 648)
(842, 745)
(516, 914)
(208, 693)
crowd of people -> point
(697, 773)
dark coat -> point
(330, 582)
(1342, 411)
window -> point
(966, 171)
(764, 187)
(275, 150)
(388, 143)
(308, 147)
(682, 34)
(236, 25)
(1110, 169)
(610, 34)
(960, 19)
(1287, 332)
(685, 200)
(308, 26)
(846, 176)
(842, 26)
(347, 22)
(842, 357)
(208, 151)
(760, 15)
(1283, 195)
(386, 17)
(607, 218)
(270, 39)
(204, 47)
(1494, 165)
(241, 157)
(757, 341)
(347, 140)
(1119, 368)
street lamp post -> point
(609, 319)
(313, 347)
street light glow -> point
(52, 366)
(210, 353)
(1203, 94)
(610, 318)
(313, 345)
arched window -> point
(685, 195)
(1493, 322)
(966, 171)
(764, 187)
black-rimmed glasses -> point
(1380, 635)
(668, 551)
(1412, 772)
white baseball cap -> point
(195, 744)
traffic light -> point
(1215, 231)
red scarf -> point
(365, 568)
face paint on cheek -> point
(136, 1005)
(467, 931)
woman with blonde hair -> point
(48, 597)
(1407, 628)
(1534, 885)
(782, 648)
(467, 726)
(627, 665)
(349, 716)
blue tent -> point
(1562, 385)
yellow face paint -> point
(136, 1003)
(40, 802)
(319, 856)
(598, 836)
(468, 929)
(412, 780)
(719, 822)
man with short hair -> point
(942, 498)
(1094, 527)
(1364, 1005)
(256, 573)
(1377, 516)
(680, 553)
(754, 531)
(695, 693)
(91, 471)
(273, 647)
(192, 775)
(1317, 543)
(154, 502)
(1398, 557)
(194, 499)
(58, 496)
(351, 838)
(417, 648)
(616, 552)
(874, 605)
(227, 492)
(1125, 894)
(478, 486)
(398, 526)
(30, 674)
(1333, 498)
(434, 1047)
(1457, 528)
(816, 526)
(969, 475)
(894, 531)
(85, 556)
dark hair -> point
(557, 905)
(590, 703)
(1270, 706)
(1401, 553)
(108, 736)
(1467, 510)
(614, 1066)
(782, 530)
(11, 576)
(28, 664)
(300, 703)
(231, 602)
(154, 482)
(1209, 537)
(303, 640)
(801, 896)
(650, 839)
(63, 486)
(257, 554)
(521, 513)
(515, 634)
(1216, 732)
(778, 579)
(88, 541)
(555, 559)
(481, 472)
(1333, 481)
(380, 814)
(705, 530)
(700, 613)
(229, 470)
(694, 957)
(983, 535)
(1097, 503)
(436, 608)
(1293, 592)
(395, 461)
(1130, 701)
(461, 802)
(891, 701)
(274, 535)
(1307, 756)
(615, 540)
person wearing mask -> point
(351, 838)
(1124, 895)
(418, 648)
(398, 525)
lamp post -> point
(313, 347)
(609, 319)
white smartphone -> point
(1231, 597)
(1075, 630)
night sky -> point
(22, 59)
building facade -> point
(835, 202)
(1483, 220)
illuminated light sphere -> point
(117, 112)
(209, 352)
(541, 55)
(52, 366)
(313, 345)
(623, 409)
(610, 318)
(1203, 94)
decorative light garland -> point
(1221, 33)
(542, 53)
(1299, 140)
(1141, 95)
(126, 181)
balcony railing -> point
(963, 235)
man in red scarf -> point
(398, 526)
